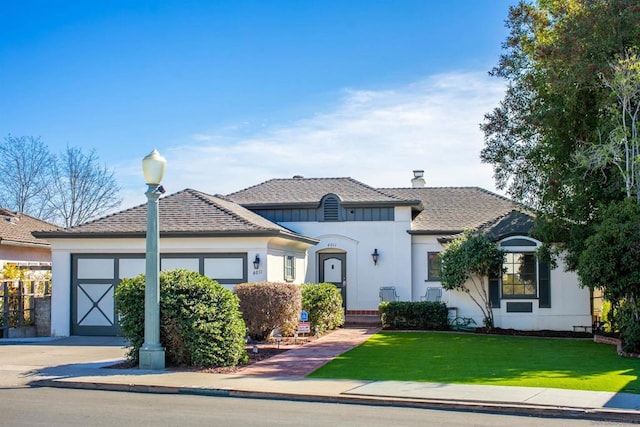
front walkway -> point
(301, 361)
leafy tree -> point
(621, 148)
(81, 188)
(24, 176)
(611, 262)
(555, 58)
(564, 138)
(467, 263)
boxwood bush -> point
(267, 306)
(423, 315)
(323, 303)
(200, 321)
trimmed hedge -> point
(323, 303)
(266, 306)
(200, 321)
(423, 315)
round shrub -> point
(266, 306)
(323, 303)
(200, 321)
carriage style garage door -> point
(95, 278)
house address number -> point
(332, 245)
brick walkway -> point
(301, 361)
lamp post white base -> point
(151, 358)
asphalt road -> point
(66, 407)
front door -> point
(333, 269)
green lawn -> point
(487, 359)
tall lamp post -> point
(151, 352)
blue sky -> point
(236, 92)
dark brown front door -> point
(333, 269)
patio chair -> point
(388, 293)
(432, 294)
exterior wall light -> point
(256, 262)
(375, 255)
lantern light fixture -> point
(375, 255)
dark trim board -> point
(105, 288)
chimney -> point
(418, 181)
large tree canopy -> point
(556, 62)
(565, 137)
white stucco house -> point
(303, 230)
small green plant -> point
(267, 306)
(423, 315)
(323, 303)
(200, 321)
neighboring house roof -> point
(301, 192)
(16, 229)
(451, 210)
(188, 213)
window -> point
(289, 268)
(520, 278)
(433, 266)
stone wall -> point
(43, 316)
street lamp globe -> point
(153, 166)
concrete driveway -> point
(22, 361)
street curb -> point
(595, 414)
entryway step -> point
(362, 320)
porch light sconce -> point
(375, 256)
(256, 262)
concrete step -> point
(362, 320)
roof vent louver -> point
(331, 209)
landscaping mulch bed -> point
(266, 350)
(542, 333)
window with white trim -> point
(289, 268)
(520, 277)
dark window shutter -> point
(494, 290)
(544, 285)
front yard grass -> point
(575, 364)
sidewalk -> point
(76, 362)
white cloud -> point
(377, 137)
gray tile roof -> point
(308, 192)
(450, 210)
(185, 213)
(17, 228)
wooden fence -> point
(17, 301)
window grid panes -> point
(289, 268)
(520, 278)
